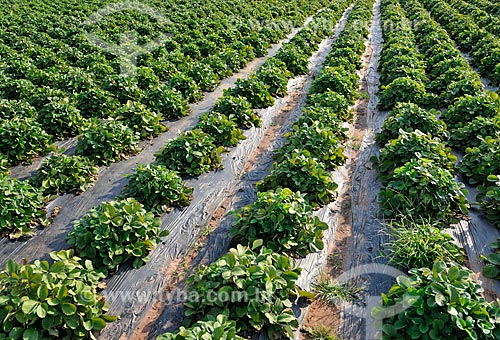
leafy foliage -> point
(323, 143)
(296, 62)
(470, 134)
(140, 119)
(116, 232)
(22, 139)
(489, 197)
(52, 300)
(283, 219)
(444, 302)
(216, 327)
(239, 109)
(422, 189)
(410, 117)
(481, 161)
(468, 108)
(167, 101)
(192, 153)
(252, 287)
(4, 166)
(413, 145)
(404, 90)
(107, 141)
(157, 188)
(336, 79)
(254, 91)
(299, 171)
(63, 174)
(329, 99)
(224, 130)
(22, 207)
(275, 78)
(186, 86)
(15, 108)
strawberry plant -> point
(203, 75)
(157, 188)
(328, 103)
(22, 207)
(63, 174)
(4, 166)
(224, 130)
(402, 90)
(489, 198)
(216, 327)
(481, 161)
(442, 302)
(338, 80)
(52, 300)
(253, 287)
(166, 101)
(186, 86)
(275, 78)
(468, 108)
(234, 60)
(96, 103)
(192, 153)
(299, 171)
(422, 189)
(417, 244)
(413, 145)
(60, 118)
(323, 143)
(106, 142)
(140, 119)
(122, 87)
(469, 135)
(147, 78)
(17, 89)
(15, 108)
(22, 139)
(116, 232)
(239, 109)
(282, 218)
(254, 91)
(465, 86)
(410, 117)
(296, 62)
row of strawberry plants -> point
(473, 126)
(407, 178)
(125, 230)
(281, 216)
(491, 7)
(34, 103)
(490, 23)
(484, 46)
(420, 196)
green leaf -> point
(68, 308)
(28, 306)
(30, 334)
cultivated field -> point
(321, 169)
